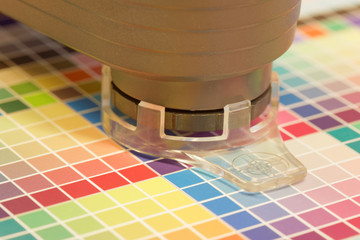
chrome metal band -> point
(181, 120)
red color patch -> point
(138, 173)
(300, 129)
(50, 197)
(109, 180)
(79, 189)
(20, 205)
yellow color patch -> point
(133, 231)
(174, 199)
(56, 110)
(126, 194)
(50, 81)
(89, 134)
(27, 117)
(96, 202)
(43, 129)
(163, 222)
(58, 142)
(72, 122)
(212, 228)
(114, 216)
(193, 214)
(155, 186)
(144, 208)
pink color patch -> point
(339, 231)
(349, 187)
(33, 183)
(324, 195)
(344, 209)
(352, 97)
(318, 217)
(285, 117)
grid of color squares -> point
(61, 177)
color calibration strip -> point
(62, 178)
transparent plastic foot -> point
(254, 158)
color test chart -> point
(61, 177)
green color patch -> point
(10, 226)
(344, 134)
(39, 99)
(357, 125)
(54, 233)
(37, 219)
(67, 210)
(26, 87)
(13, 106)
(334, 25)
(4, 93)
(103, 235)
(318, 75)
(7, 156)
(355, 146)
(24, 237)
(6, 124)
(300, 65)
(84, 225)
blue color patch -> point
(82, 104)
(289, 98)
(225, 186)
(221, 206)
(306, 110)
(202, 192)
(205, 174)
(269, 211)
(10, 226)
(241, 220)
(249, 199)
(280, 70)
(313, 92)
(97, 97)
(294, 81)
(93, 117)
(184, 178)
(261, 233)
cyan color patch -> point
(221, 206)
(294, 81)
(344, 134)
(202, 192)
(184, 178)
(249, 199)
(289, 98)
(82, 104)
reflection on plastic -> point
(254, 158)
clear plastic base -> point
(254, 158)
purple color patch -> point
(289, 226)
(3, 213)
(166, 166)
(269, 211)
(8, 190)
(297, 203)
(310, 235)
(325, 122)
(349, 115)
(261, 233)
(354, 20)
(331, 104)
